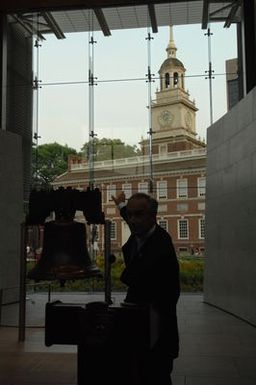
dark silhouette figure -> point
(152, 277)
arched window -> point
(167, 80)
(175, 79)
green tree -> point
(48, 161)
(105, 149)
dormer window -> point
(175, 79)
(167, 80)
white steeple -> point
(173, 113)
(171, 48)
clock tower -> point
(173, 113)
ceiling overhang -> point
(227, 11)
(32, 5)
(60, 17)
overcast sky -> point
(121, 95)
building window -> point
(201, 228)
(163, 223)
(175, 79)
(162, 208)
(183, 228)
(143, 187)
(167, 80)
(111, 190)
(127, 189)
(182, 207)
(201, 186)
(201, 206)
(162, 189)
(113, 231)
(183, 250)
(182, 188)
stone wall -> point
(231, 211)
(11, 212)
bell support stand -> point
(107, 262)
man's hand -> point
(120, 198)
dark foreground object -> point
(112, 341)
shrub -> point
(191, 277)
(191, 273)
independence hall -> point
(178, 158)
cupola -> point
(172, 70)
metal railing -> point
(176, 155)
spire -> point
(171, 48)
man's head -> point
(141, 213)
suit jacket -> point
(152, 277)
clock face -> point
(165, 118)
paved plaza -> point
(216, 348)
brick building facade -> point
(178, 159)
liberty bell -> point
(64, 253)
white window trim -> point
(199, 228)
(111, 190)
(178, 223)
(178, 188)
(165, 189)
(199, 187)
(127, 186)
(142, 189)
(115, 231)
(163, 220)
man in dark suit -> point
(152, 276)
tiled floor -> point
(216, 348)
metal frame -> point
(152, 15)
(208, 16)
(102, 21)
(46, 24)
(32, 5)
(98, 6)
(52, 24)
